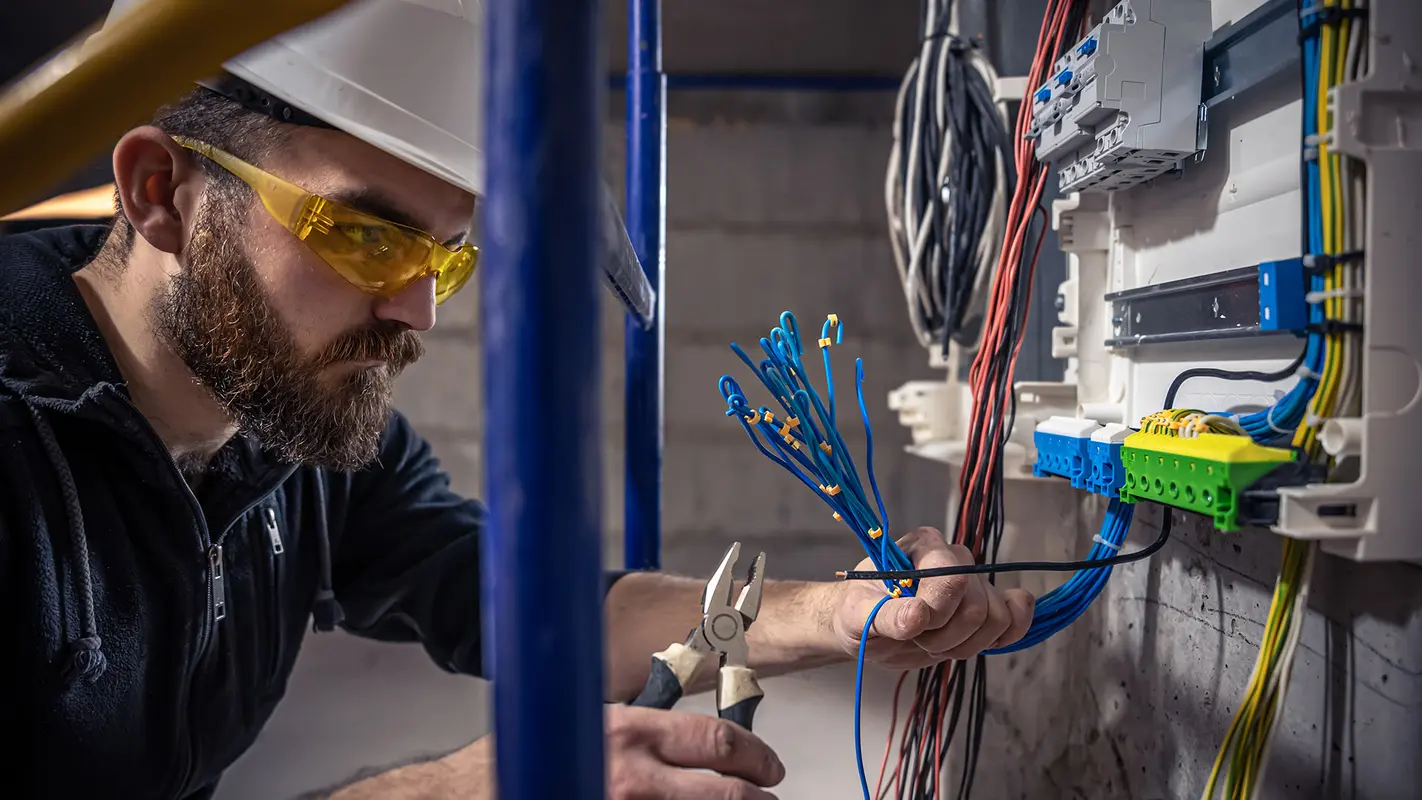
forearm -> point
(648, 611)
(466, 774)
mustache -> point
(390, 342)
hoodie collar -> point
(52, 352)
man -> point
(200, 455)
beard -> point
(219, 320)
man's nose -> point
(414, 306)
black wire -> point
(1016, 566)
(1231, 375)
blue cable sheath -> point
(859, 695)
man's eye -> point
(361, 234)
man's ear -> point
(159, 186)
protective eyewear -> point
(372, 254)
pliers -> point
(722, 631)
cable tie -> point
(1115, 548)
(1316, 264)
(906, 582)
(1269, 419)
(825, 343)
(1307, 374)
(1333, 327)
(1314, 298)
(833, 320)
(754, 419)
(1315, 420)
(833, 490)
(874, 533)
(837, 517)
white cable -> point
(911, 222)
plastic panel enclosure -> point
(1204, 474)
(1103, 454)
(1123, 105)
(1061, 449)
(1378, 120)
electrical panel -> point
(1207, 270)
(1123, 105)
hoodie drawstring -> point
(327, 614)
(86, 660)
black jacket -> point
(147, 632)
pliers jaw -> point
(723, 623)
(722, 631)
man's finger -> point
(967, 616)
(900, 619)
(994, 624)
(1022, 605)
(698, 741)
(685, 785)
(943, 595)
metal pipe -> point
(646, 226)
(53, 120)
(542, 555)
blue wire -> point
(859, 696)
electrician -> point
(200, 453)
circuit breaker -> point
(1123, 105)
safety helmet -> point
(401, 75)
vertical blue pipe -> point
(646, 227)
(542, 555)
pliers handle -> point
(721, 632)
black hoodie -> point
(147, 632)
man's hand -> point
(652, 755)
(949, 618)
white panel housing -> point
(1123, 105)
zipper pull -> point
(274, 533)
(219, 586)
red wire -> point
(889, 745)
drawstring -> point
(86, 660)
(327, 614)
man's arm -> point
(467, 773)
(802, 625)
(648, 611)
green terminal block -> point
(1204, 474)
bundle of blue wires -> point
(1062, 606)
(806, 442)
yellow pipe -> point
(58, 116)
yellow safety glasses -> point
(372, 254)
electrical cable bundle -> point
(806, 442)
(1332, 40)
(948, 179)
(979, 522)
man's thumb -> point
(900, 619)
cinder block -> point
(776, 174)
(444, 389)
(722, 279)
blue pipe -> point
(646, 227)
(542, 554)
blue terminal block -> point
(1062, 449)
(1283, 296)
(1064, 77)
(1043, 95)
(1087, 47)
(1106, 473)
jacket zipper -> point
(273, 593)
(213, 549)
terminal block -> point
(1062, 449)
(1205, 474)
(1106, 474)
(1123, 105)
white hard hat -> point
(402, 75)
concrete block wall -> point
(778, 210)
